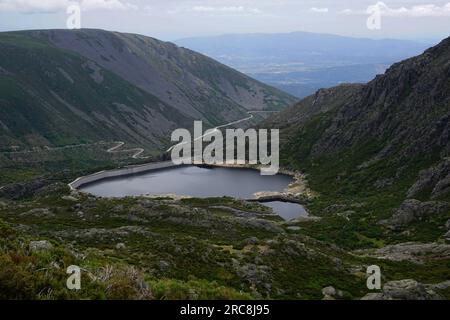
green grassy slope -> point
(49, 96)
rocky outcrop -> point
(120, 246)
(259, 224)
(40, 186)
(102, 234)
(242, 213)
(413, 210)
(447, 227)
(330, 293)
(70, 198)
(38, 212)
(308, 218)
(20, 190)
(410, 251)
(399, 120)
(407, 289)
(41, 245)
(436, 178)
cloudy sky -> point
(173, 19)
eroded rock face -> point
(407, 289)
(436, 178)
(413, 210)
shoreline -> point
(297, 191)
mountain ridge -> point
(172, 56)
(380, 148)
(425, 73)
(89, 85)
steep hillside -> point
(63, 87)
(52, 97)
(194, 84)
(368, 143)
(403, 114)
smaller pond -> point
(287, 210)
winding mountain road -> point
(137, 151)
(223, 126)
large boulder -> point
(41, 245)
(330, 293)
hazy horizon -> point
(425, 21)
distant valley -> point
(300, 63)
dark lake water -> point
(191, 181)
(199, 182)
(286, 210)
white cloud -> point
(231, 10)
(51, 6)
(319, 10)
(347, 11)
(107, 5)
(29, 6)
(425, 10)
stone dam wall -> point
(130, 170)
